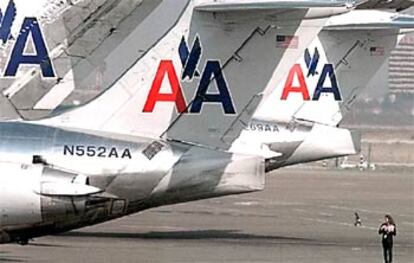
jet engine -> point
(36, 199)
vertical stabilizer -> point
(202, 81)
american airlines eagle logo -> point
(312, 62)
(190, 58)
(29, 28)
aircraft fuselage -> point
(55, 180)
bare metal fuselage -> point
(54, 180)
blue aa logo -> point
(18, 57)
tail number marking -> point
(96, 151)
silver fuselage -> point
(53, 179)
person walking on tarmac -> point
(388, 230)
(358, 221)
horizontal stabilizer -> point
(397, 5)
(370, 20)
(240, 5)
(68, 189)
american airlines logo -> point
(29, 28)
(327, 82)
(190, 60)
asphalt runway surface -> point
(302, 216)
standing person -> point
(388, 230)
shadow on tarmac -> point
(11, 260)
(43, 245)
(218, 235)
(187, 235)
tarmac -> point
(302, 216)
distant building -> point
(401, 67)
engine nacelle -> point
(19, 202)
(37, 200)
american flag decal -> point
(377, 51)
(407, 40)
(283, 41)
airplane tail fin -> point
(336, 68)
(298, 122)
(203, 79)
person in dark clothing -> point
(358, 221)
(388, 230)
